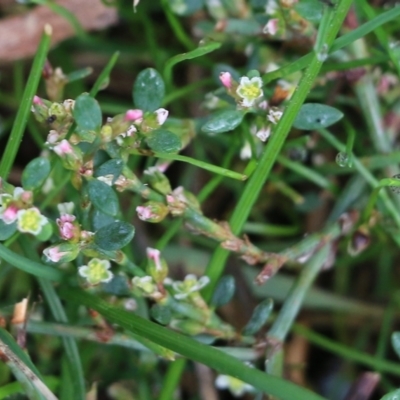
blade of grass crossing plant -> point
(272, 150)
(29, 266)
(203, 49)
(104, 76)
(23, 369)
(73, 361)
(201, 164)
(24, 109)
(190, 348)
(338, 44)
(347, 353)
(64, 13)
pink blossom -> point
(54, 254)
(134, 115)
(37, 101)
(154, 254)
(10, 214)
(66, 227)
(271, 27)
(144, 213)
(226, 79)
(63, 148)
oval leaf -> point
(311, 10)
(114, 236)
(103, 197)
(395, 395)
(315, 116)
(396, 342)
(111, 167)
(87, 113)
(7, 230)
(260, 316)
(35, 173)
(224, 291)
(148, 90)
(161, 314)
(99, 219)
(223, 121)
(163, 141)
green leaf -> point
(260, 316)
(118, 286)
(190, 348)
(114, 236)
(110, 167)
(87, 113)
(35, 173)
(224, 291)
(223, 121)
(161, 314)
(163, 141)
(311, 10)
(103, 197)
(396, 343)
(315, 116)
(148, 90)
(7, 230)
(204, 48)
(100, 219)
(395, 395)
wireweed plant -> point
(163, 236)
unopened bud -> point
(158, 180)
(152, 211)
(157, 267)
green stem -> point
(348, 353)
(24, 109)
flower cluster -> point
(18, 208)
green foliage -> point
(316, 116)
(259, 317)
(223, 121)
(103, 197)
(261, 72)
(87, 113)
(35, 173)
(114, 236)
(163, 141)
(148, 90)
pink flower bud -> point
(226, 79)
(37, 101)
(271, 27)
(134, 115)
(10, 214)
(66, 227)
(63, 148)
(144, 213)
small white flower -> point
(30, 221)
(235, 386)
(189, 285)
(162, 115)
(263, 133)
(245, 152)
(249, 90)
(96, 271)
(274, 116)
